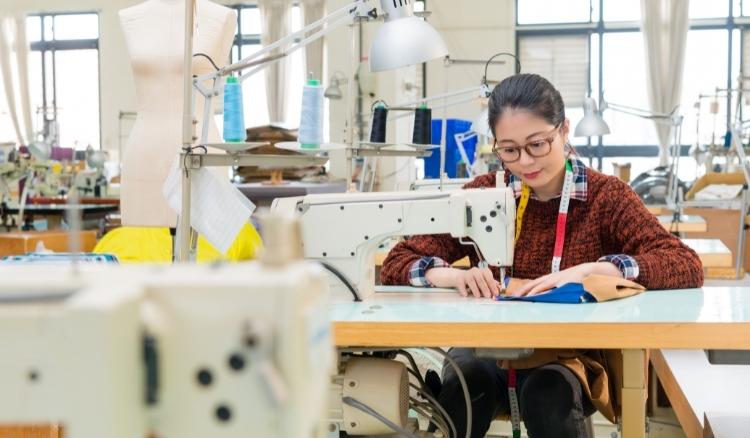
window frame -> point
(45, 45)
(594, 147)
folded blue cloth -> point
(569, 293)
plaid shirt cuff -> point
(418, 270)
(626, 264)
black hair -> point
(526, 92)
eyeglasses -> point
(536, 149)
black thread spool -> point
(422, 126)
(379, 120)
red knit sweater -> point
(612, 220)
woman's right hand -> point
(478, 282)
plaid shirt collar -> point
(580, 181)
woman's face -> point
(518, 132)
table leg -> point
(634, 393)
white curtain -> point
(665, 25)
(276, 22)
(314, 10)
(14, 70)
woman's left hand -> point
(576, 274)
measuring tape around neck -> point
(562, 219)
(562, 215)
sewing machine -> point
(345, 230)
(168, 351)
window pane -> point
(709, 8)
(35, 89)
(622, 10)
(75, 27)
(296, 18)
(562, 59)
(250, 21)
(254, 93)
(34, 28)
(705, 69)
(296, 78)
(624, 79)
(594, 66)
(48, 35)
(553, 11)
(77, 85)
(419, 7)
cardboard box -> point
(714, 178)
(19, 243)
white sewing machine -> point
(170, 351)
(345, 230)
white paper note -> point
(218, 210)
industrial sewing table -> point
(708, 318)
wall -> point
(474, 30)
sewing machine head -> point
(172, 351)
(345, 230)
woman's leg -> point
(486, 388)
(553, 403)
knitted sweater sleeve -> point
(402, 257)
(664, 262)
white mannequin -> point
(154, 33)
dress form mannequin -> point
(154, 33)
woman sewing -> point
(605, 230)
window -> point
(714, 58)
(246, 42)
(64, 76)
(545, 11)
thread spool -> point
(234, 119)
(714, 107)
(422, 125)
(311, 118)
(379, 121)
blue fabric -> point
(570, 293)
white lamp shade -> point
(404, 39)
(592, 124)
(481, 124)
(333, 91)
(40, 150)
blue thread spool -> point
(311, 119)
(234, 119)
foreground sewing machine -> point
(345, 230)
(170, 351)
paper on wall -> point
(218, 210)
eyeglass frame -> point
(553, 135)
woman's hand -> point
(576, 274)
(475, 281)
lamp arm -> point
(642, 113)
(326, 24)
(410, 105)
(436, 107)
(301, 44)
